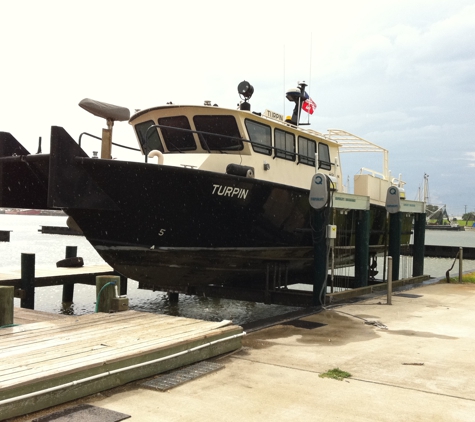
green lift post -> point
(362, 248)
(419, 244)
(417, 209)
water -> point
(48, 249)
(436, 267)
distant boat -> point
(445, 227)
(23, 212)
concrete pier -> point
(409, 361)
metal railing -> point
(460, 258)
(100, 139)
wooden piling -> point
(68, 288)
(6, 305)
(104, 295)
(4, 235)
(123, 286)
(173, 297)
(28, 280)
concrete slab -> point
(411, 360)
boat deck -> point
(46, 363)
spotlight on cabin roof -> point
(246, 90)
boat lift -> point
(276, 288)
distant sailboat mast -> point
(426, 188)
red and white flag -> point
(309, 106)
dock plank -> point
(63, 345)
(97, 350)
(89, 358)
(62, 340)
(24, 316)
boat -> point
(437, 217)
(222, 196)
(23, 212)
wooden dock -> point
(23, 316)
(51, 362)
(436, 251)
(53, 276)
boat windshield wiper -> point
(147, 133)
(201, 134)
(203, 141)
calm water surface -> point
(48, 249)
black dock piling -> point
(419, 244)
(123, 285)
(4, 235)
(173, 297)
(68, 288)
(362, 248)
(28, 280)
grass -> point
(466, 278)
(462, 223)
(336, 374)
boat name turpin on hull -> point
(230, 191)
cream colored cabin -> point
(277, 151)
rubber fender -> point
(238, 170)
(75, 261)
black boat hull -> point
(172, 228)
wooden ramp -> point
(51, 362)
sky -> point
(398, 73)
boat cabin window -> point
(221, 125)
(153, 140)
(260, 136)
(324, 157)
(284, 145)
(307, 150)
(177, 140)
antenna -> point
(283, 99)
(310, 75)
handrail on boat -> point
(372, 172)
(395, 181)
(200, 132)
(113, 143)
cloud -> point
(470, 157)
(398, 73)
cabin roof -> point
(352, 143)
(206, 109)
